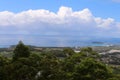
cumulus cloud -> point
(64, 22)
(64, 19)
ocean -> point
(6, 40)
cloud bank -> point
(64, 22)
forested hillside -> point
(55, 65)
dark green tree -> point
(89, 52)
(21, 69)
(21, 50)
(49, 68)
(68, 51)
(3, 62)
(85, 66)
(90, 69)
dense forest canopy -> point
(55, 65)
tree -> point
(90, 69)
(21, 51)
(85, 66)
(88, 52)
(46, 66)
(68, 51)
(49, 68)
(3, 62)
(21, 69)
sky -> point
(68, 19)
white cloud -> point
(105, 23)
(64, 15)
(64, 22)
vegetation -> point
(55, 65)
(21, 51)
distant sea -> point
(6, 40)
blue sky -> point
(67, 19)
(101, 8)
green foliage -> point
(21, 51)
(3, 62)
(6, 54)
(88, 52)
(68, 51)
(57, 53)
(92, 70)
(49, 66)
(20, 70)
